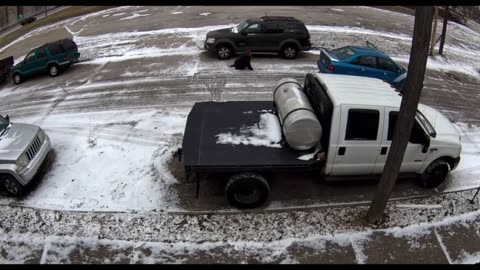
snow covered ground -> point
(115, 122)
(114, 159)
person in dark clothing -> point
(243, 61)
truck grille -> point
(34, 147)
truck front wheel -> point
(247, 190)
(12, 186)
(434, 174)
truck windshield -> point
(239, 27)
(426, 124)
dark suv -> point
(284, 35)
(49, 58)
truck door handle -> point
(341, 151)
(383, 151)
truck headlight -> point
(22, 162)
(210, 40)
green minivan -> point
(50, 58)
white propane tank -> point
(300, 125)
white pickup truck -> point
(349, 120)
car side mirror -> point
(425, 144)
(7, 118)
(243, 33)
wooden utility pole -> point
(434, 33)
(444, 30)
(416, 71)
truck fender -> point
(448, 159)
(11, 169)
(290, 40)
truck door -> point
(360, 133)
(413, 159)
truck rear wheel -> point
(12, 186)
(247, 190)
(434, 174)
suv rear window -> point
(272, 27)
(342, 53)
(296, 27)
(68, 44)
(55, 49)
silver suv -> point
(23, 148)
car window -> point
(342, 53)
(272, 28)
(362, 125)
(30, 57)
(41, 54)
(367, 61)
(253, 28)
(385, 64)
(55, 49)
(417, 132)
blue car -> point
(362, 61)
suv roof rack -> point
(278, 18)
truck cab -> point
(357, 116)
(364, 113)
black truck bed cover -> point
(201, 152)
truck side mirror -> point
(7, 118)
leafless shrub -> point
(215, 86)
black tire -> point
(12, 186)
(17, 78)
(434, 174)
(247, 190)
(224, 51)
(289, 51)
(53, 70)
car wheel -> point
(434, 174)
(224, 51)
(247, 190)
(17, 78)
(12, 186)
(289, 51)
(53, 70)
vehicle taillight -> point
(331, 68)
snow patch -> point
(135, 15)
(266, 133)
(176, 12)
(337, 9)
(205, 14)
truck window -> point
(417, 132)
(362, 124)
